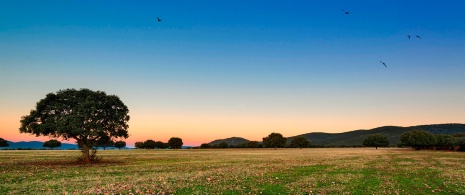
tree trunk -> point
(376, 147)
(85, 153)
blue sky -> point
(239, 68)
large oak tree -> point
(84, 115)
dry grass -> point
(235, 171)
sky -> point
(217, 69)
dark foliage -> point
(418, 139)
(53, 143)
(205, 146)
(3, 143)
(274, 140)
(175, 143)
(150, 144)
(120, 144)
(376, 140)
(299, 142)
(223, 145)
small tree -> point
(274, 140)
(83, 115)
(223, 145)
(52, 144)
(300, 142)
(139, 145)
(376, 140)
(205, 145)
(3, 143)
(150, 144)
(252, 144)
(418, 139)
(175, 142)
(105, 142)
(120, 144)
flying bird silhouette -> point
(383, 63)
(418, 37)
(158, 19)
(345, 11)
(408, 36)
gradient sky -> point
(215, 69)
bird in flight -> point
(345, 11)
(158, 19)
(418, 37)
(408, 36)
(383, 63)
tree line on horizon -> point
(173, 143)
(417, 139)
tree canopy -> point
(418, 139)
(3, 143)
(161, 145)
(139, 145)
(84, 115)
(53, 143)
(105, 142)
(175, 143)
(120, 144)
(376, 140)
(274, 140)
(205, 145)
(150, 144)
(300, 142)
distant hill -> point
(37, 145)
(356, 137)
(443, 128)
(230, 141)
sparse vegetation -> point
(238, 171)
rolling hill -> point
(230, 141)
(356, 137)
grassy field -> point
(235, 171)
